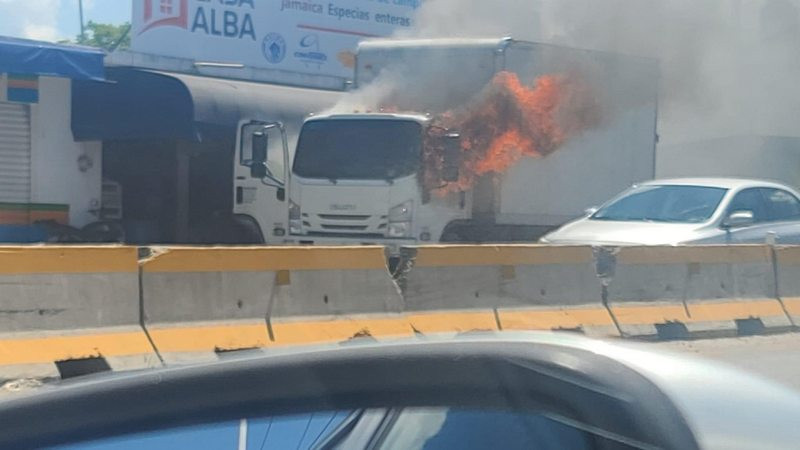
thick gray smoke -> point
(728, 67)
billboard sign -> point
(306, 36)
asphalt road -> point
(776, 357)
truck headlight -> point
(295, 218)
(399, 229)
(400, 220)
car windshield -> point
(358, 149)
(440, 429)
(406, 429)
(663, 203)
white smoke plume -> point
(369, 97)
(727, 67)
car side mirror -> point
(590, 210)
(451, 159)
(738, 219)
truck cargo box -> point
(442, 74)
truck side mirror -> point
(258, 154)
(451, 159)
(258, 171)
(253, 148)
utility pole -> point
(83, 30)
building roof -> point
(27, 57)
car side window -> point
(781, 205)
(750, 200)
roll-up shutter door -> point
(15, 153)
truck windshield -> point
(665, 203)
(358, 149)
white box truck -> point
(355, 176)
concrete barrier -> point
(334, 294)
(787, 260)
(199, 302)
(489, 287)
(61, 307)
(673, 292)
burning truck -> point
(458, 140)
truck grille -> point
(344, 227)
(347, 235)
(341, 217)
(352, 225)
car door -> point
(783, 210)
(750, 199)
(774, 211)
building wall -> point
(56, 159)
(64, 171)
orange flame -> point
(509, 121)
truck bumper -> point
(392, 245)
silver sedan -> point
(690, 211)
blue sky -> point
(52, 20)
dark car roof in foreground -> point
(723, 408)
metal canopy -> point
(147, 104)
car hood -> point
(602, 232)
